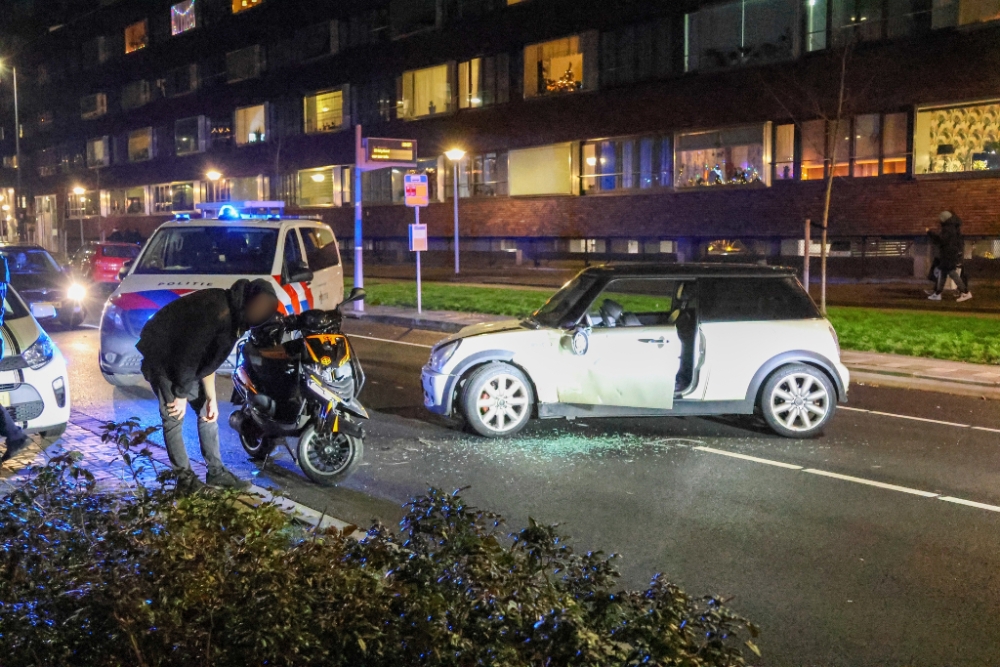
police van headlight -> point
(441, 354)
(40, 352)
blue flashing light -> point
(181, 217)
(228, 213)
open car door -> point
(632, 353)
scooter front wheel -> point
(329, 458)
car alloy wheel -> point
(497, 400)
(798, 402)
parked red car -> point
(101, 262)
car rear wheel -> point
(797, 401)
(497, 400)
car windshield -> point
(210, 250)
(121, 251)
(559, 306)
(22, 261)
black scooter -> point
(297, 378)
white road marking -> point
(970, 503)
(916, 419)
(745, 457)
(988, 430)
(388, 340)
(90, 326)
(869, 482)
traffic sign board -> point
(418, 238)
(415, 189)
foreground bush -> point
(156, 578)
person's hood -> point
(242, 291)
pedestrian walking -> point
(12, 433)
(182, 346)
(951, 248)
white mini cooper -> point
(648, 340)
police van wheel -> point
(119, 380)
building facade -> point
(658, 128)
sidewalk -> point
(889, 370)
(83, 435)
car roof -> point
(272, 222)
(686, 270)
(21, 246)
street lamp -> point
(456, 155)
(17, 144)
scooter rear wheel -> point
(256, 445)
(329, 458)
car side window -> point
(321, 248)
(293, 253)
(754, 299)
(633, 302)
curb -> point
(410, 322)
(253, 496)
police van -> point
(233, 240)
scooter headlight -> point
(441, 354)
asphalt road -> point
(876, 569)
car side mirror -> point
(357, 294)
(122, 272)
(300, 273)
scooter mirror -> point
(356, 294)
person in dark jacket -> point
(182, 346)
(16, 439)
(951, 249)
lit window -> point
(251, 125)
(560, 66)
(894, 140)
(625, 164)
(481, 175)
(963, 12)
(183, 17)
(126, 201)
(241, 5)
(136, 36)
(542, 170)
(734, 157)
(140, 145)
(172, 197)
(98, 153)
(813, 150)
(324, 112)
(784, 152)
(326, 186)
(957, 139)
(866, 145)
(424, 92)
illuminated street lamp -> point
(456, 155)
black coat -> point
(949, 243)
(189, 339)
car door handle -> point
(658, 341)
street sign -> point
(415, 189)
(390, 152)
(418, 238)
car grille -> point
(26, 411)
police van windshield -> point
(210, 250)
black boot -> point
(223, 479)
(14, 446)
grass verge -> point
(936, 335)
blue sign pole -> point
(359, 274)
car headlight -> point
(442, 353)
(40, 352)
(77, 292)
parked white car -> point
(648, 340)
(34, 385)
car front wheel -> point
(797, 401)
(497, 400)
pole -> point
(456, 216)
(420, 305)
(17, 151)
(359, 274)
(82, 213)
(805, 254)
(822, 271)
